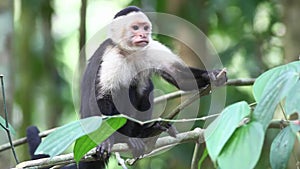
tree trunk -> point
(291, 15)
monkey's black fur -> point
(34, 140)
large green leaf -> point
(269, 77)
(11, 129)
(273, 93)
(243, 148)
(87, 142)
(281, 148)
(220, 130)
(64, 136)
(292, 100)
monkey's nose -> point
(143, 35)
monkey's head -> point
(130, 29)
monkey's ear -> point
(218, 77)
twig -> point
(196, 156)
(169, 96)
(279, 123)
(240, 82)
(187, 102)
(231, 82)
(6, 120)
(120, 160)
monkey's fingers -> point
(222, 73)
(218, 77)
(103, 150)
(172, 131)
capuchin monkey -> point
(117, 80)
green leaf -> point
(292, 100)
(11, 129)
(273, 93)
(270, 76)
(295, 126)
(281, 148)
(221, 129)
(64, 136)
(87, 142)
(243, 149)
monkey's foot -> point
(137, 146)
(103, 150)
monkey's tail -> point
(34, 140)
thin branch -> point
(169, 96)
(231, 82)
(23, 140)
(241, 82)
(196, 156)
(279, 124)
(187, 102)
(6, 120)
(283, 111)
(120, 160)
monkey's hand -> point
(159, 127)
(103, 150)
(218, 77)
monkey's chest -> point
(122, 73)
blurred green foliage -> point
(42, 61)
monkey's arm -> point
(189, 78)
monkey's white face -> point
(139, 34)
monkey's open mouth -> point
(142, 43)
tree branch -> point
(241, 82)
(231, 82)
(197, 135)
(196, 156)
(68, 158)
(24, 140)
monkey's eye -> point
(135, 27)
(146, 28)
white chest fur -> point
(119, 71)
